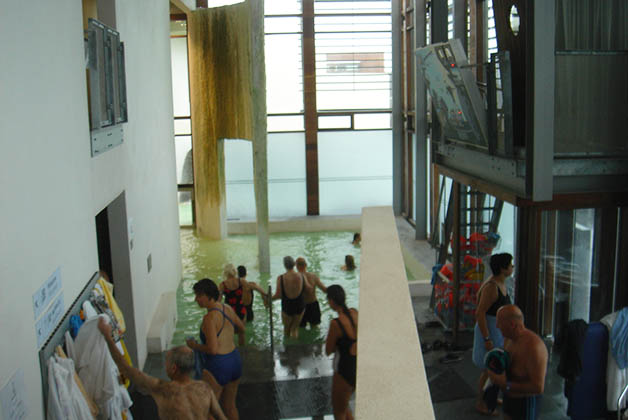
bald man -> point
(182, 398)
(524, 380)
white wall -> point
(52, 189)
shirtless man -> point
(291, 287)
(180, 398)
(312, 308)
(524, 380)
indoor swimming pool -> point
(324, 252)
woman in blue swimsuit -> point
(218, 354)
(342, 340)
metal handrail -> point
(270, 313)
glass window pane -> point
(353, 70)
(284, 74)
(285, 123)
(182, 127)
(283, 7)
(278, 25)
(183, 153)
(372, 121)
(355, 170)
(180, 87)
(185, 208)
(286, 175)
(362, 7)
(239, 180)
(334, 121)
(569, 274)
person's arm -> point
(332, 337)
(535, 367)
(318, 283)
(211, 346)
(215, 411)
(143, 381)
(277, 294)
(488, 295)
(255, 286)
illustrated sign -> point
(13, 397)
(44, 295)
(48, 322)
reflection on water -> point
(324, 252)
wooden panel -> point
(310, 113)
(527, 266)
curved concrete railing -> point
(391, 380)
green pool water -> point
(324, 252)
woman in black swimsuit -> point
(342, 340)
(289, 289)
(492, 295)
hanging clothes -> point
(107, 290)
(99, 372)
(569, 344)
(65, 400)
(616, 378)
(619, 339)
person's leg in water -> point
(341, 393)
(295, 324)
(285, 319)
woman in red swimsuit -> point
(233, 290)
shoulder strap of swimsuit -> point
(344, 332)
(222, 311)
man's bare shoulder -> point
(174, 387)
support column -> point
(397, 112)
(211, 211)
(310, 111)
(527, 265)
(540, 74)
(460, 22)
(457, 259)
(260, 161)
(421, 126)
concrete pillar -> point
(260, 161)
(211, 211)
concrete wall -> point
(391, 381)
(52, 189)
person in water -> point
(233, 289)
(342, 341)
(181, 397)
(312, 313)
(356, 239)
(217, 351)
(247, 297)
(349, 263)
(291, 287)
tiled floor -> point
(294, 382)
